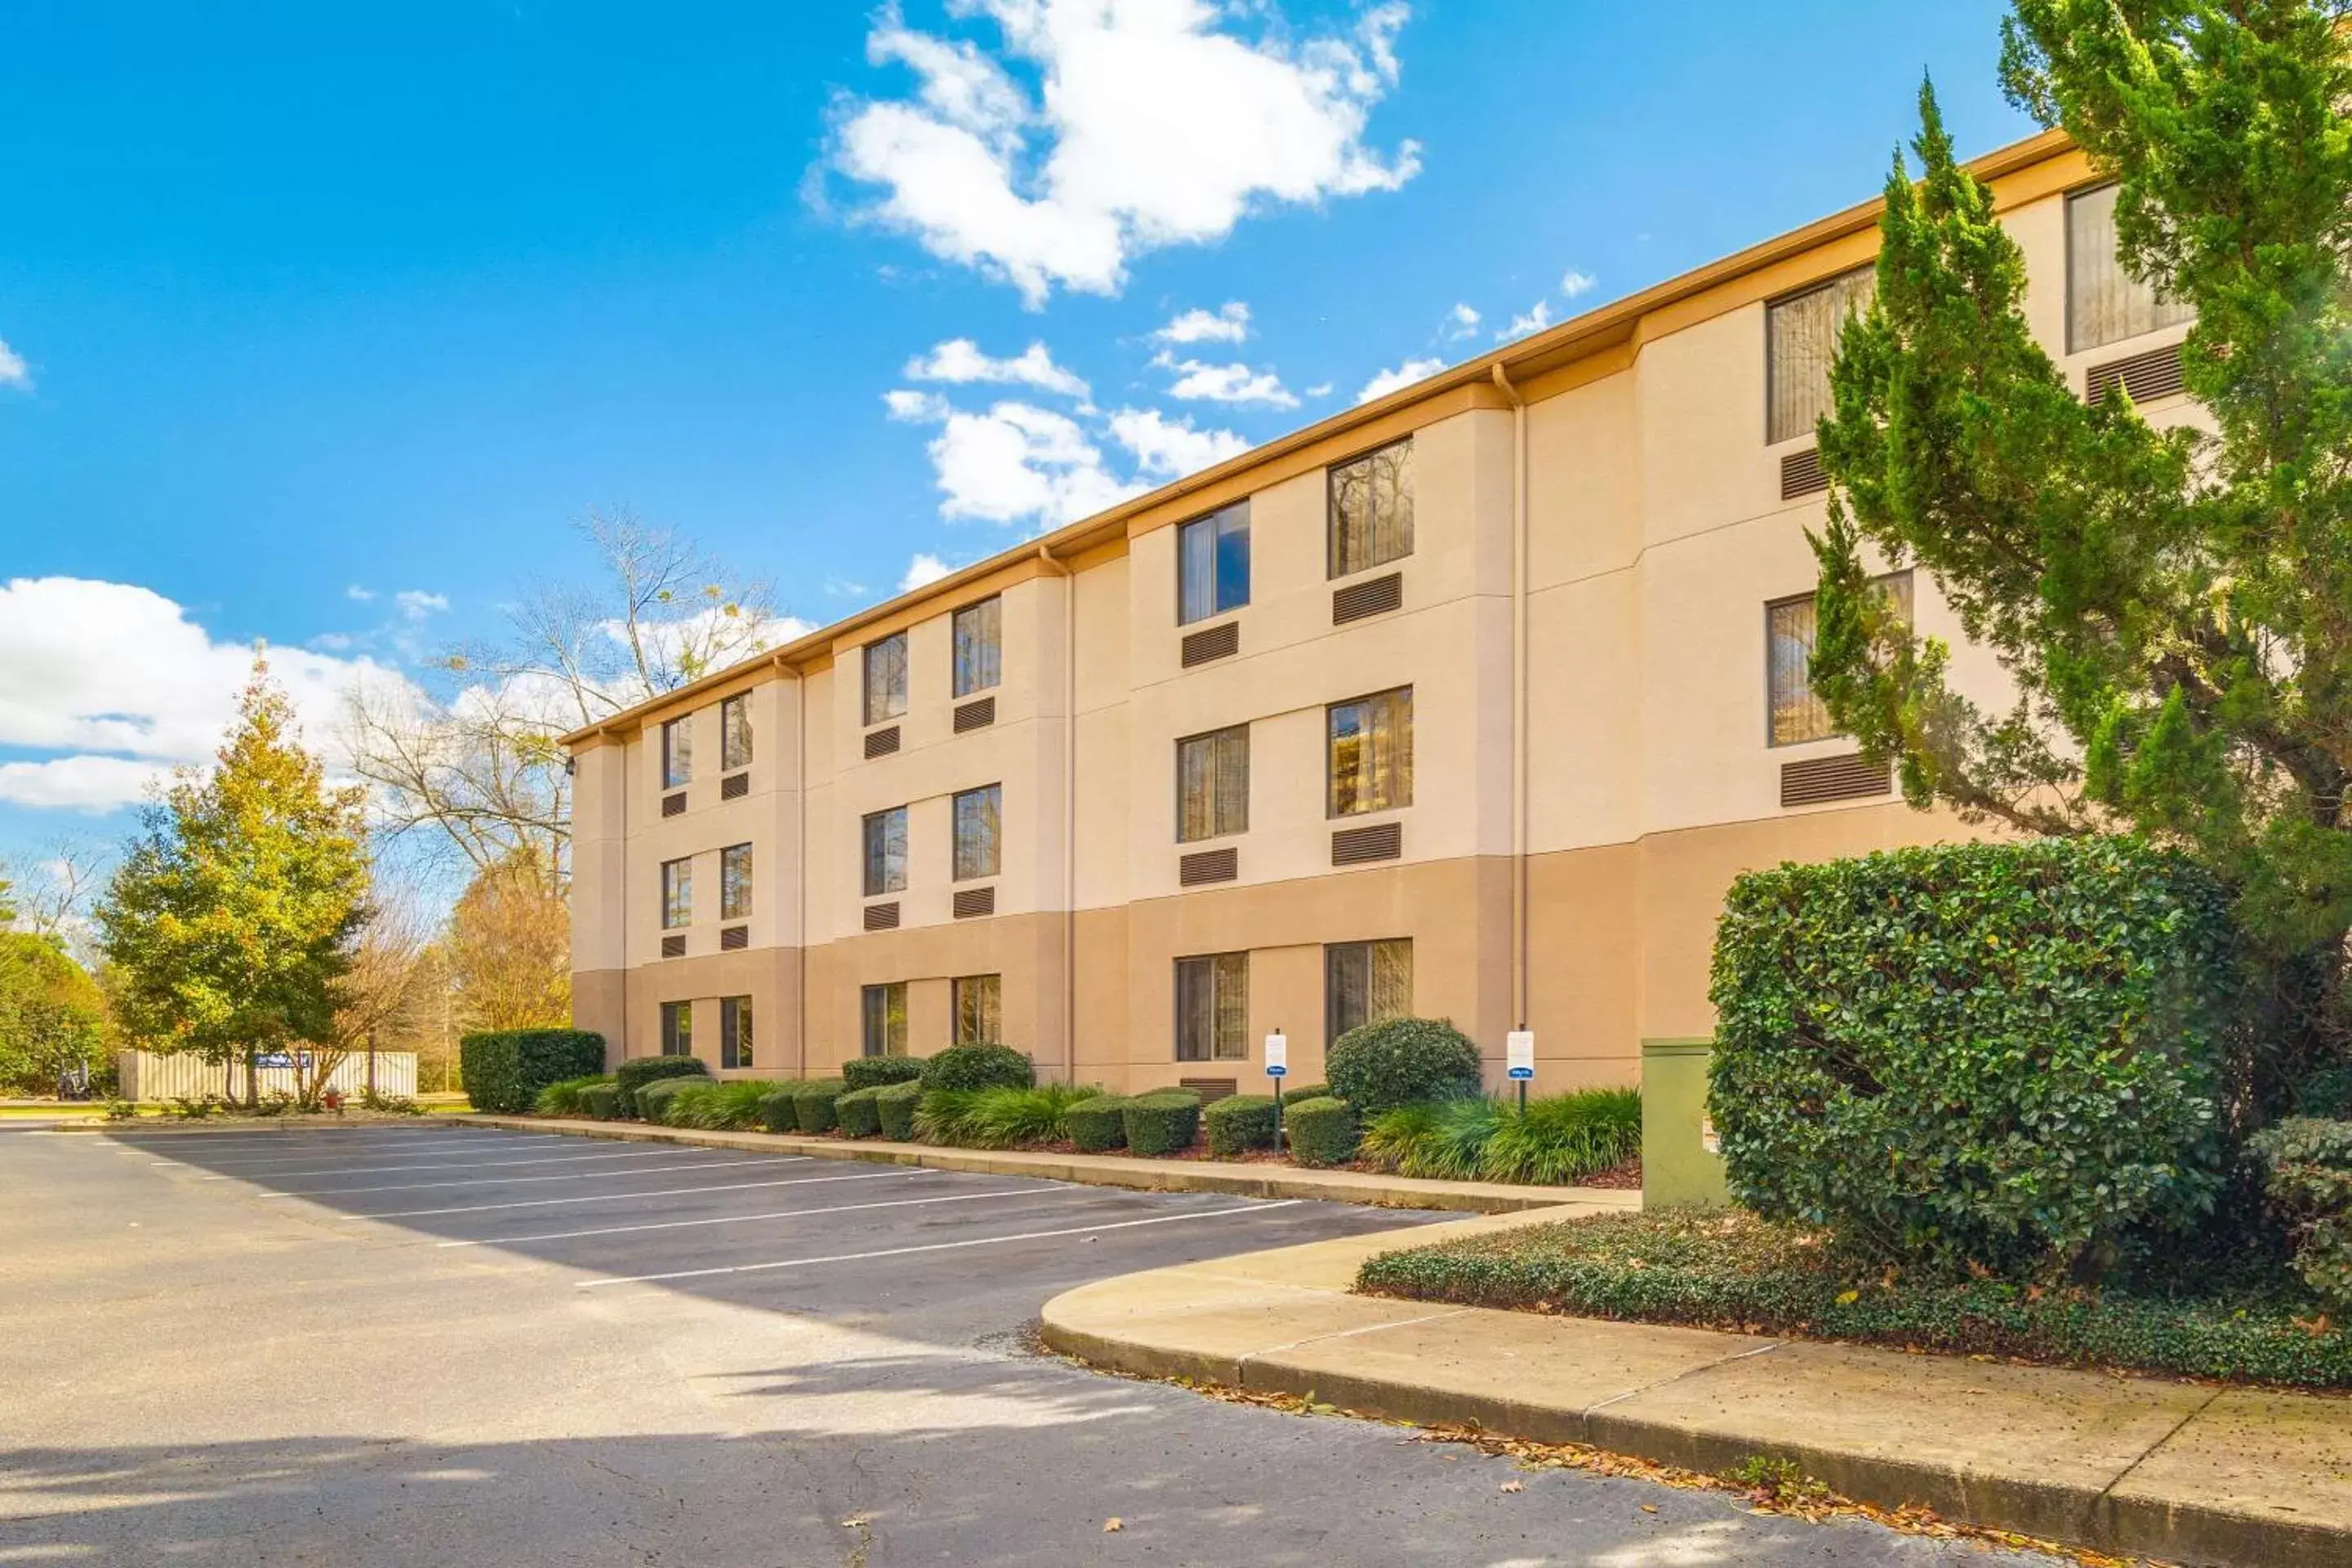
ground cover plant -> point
(1000, 1117)
(1725, 1269)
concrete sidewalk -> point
(2180, 1471)
(1239, 1180)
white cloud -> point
(844, 588)
(120, 682)
(1463, 322)
(1537, 317)
(1169, 449)
(1321, 389)
(1020, 463)
(1573, 283)
(14, 371)
(915, 407)
(922, 570)
(415, 604)
(960, 360)
(1230, 324)
(362, 595)
(1154, 127)
(1402, 376)
(1226, 383)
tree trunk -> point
(253, 1077)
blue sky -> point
(307, 308)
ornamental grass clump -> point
(1440, 1139)
(1562, 1139)
(634, 1072)
(730, 1106)
(653, 1100)
(563, 1096)
(999, 1118)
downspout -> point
(1069, 811)
(1518, 696)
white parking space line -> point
(449, 1165)
(774, 1214)
(930, 1246)
(518, 1181)
(628, 1197)
(417, 1145)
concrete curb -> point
(1102, 1170)
(2178, 1471)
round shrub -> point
(978, 1067)
(873, 1072)
(1402, 1061)
(1164, 1122)
(2005, 1056)
(653, 1099)
(634, 1072)
(1098, 1124)
(858, 1115)
(1322, 1132)
(776, 1112)
(813, 1104)
(1238, 1123)
(895, 1103)
(601, 1101)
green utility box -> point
(1679, 1162)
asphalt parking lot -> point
(435, 1344)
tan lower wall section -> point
(1620, 939)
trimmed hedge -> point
(812, 1102)
(1305, 1091)
(776, 1112)
(978, 1067)
(873, 1072)
(653, 1099)
(895, 1103)
(1402, 1061)
(2000, 1055)
(858, 1115)
(1164, 1122)
(2307, 1177)
(1098, 1124)
(1723, 1268)
(504, 1069)
(1238, 1123)
(602, 1101)
(1322, 1132)
(634, 1072)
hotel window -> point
(1371, 752)
(1365, 982)
(2106, 304)
(677, 753)
(1372, 510)
(1793, 713)
(1800, 336)
(676, 894)
(979, 647)
(886, 678)
(678, 1029)
(735, 882)
(1212, 564)
(886, 852)
(1212, 784)
(734, 734)
(1212, 1008)
(883, 1013)
(978, 1009)
(976, 819)
(734, 1031)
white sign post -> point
(1278, 1068)
(1519, 1060)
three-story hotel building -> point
(1468, 702)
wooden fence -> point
(180, 1074)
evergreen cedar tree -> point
(231, 920)
(2175, 607)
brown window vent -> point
(674, 946)
(882, 917)
(734, 939)
(974, 901)
(1217, 642)
(1208, 866)
(882, 742)
(1354, 845)
(1800, 474)
(977, 715)
(674, 804)
(2147, 376)
(1210, 1090)
(1358, 600)
(1819, 779)
(735, 786)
